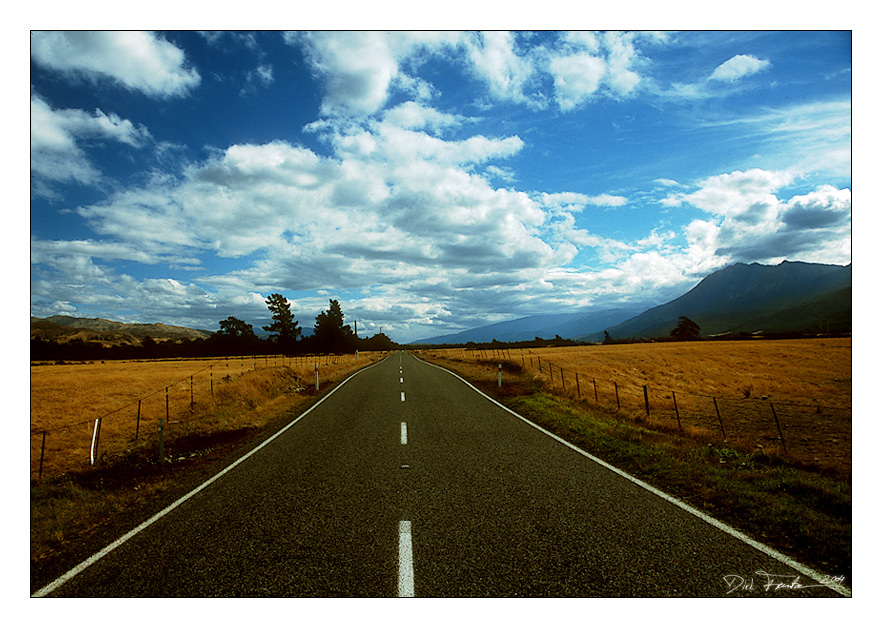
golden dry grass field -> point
(129, 397)
(739, 387)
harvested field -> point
(781, 396)
(132, 397)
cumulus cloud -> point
(416, 116)
(140, 61)
(495, 60)
(751, 223)
(361, 70)
(56, 134)
(576, 78)
(408, 215)
(584, 66)
(738, 67)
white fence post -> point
(93, 451)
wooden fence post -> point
(578, 391)
(677, 410)
(162, 430)
(719, 418)
(778, 424)
(138, 420)
(646, 398)
(42, 451)
(596, 398)
(563, 381)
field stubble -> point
(130, 397)
(730, 391)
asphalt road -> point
(406, 481)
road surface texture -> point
(406, 481)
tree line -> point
(234, 337)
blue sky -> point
(429, 181)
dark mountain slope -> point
(789, 297)
(542, 325)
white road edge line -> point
(405, 560)
(104, 552)
(403, 433)
(762, 547)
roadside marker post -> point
(500, 375)
(316, 376)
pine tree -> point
(284, 326)
(330, 333)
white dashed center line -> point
(402, 395)
(405, 560)
(403, 433)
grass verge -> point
(801, 510)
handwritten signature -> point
(775, 582)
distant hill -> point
(541, 325)
(107, 333)
(750, 298)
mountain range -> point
(791, 297)
(539, 326)
(98, 330)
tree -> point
(235, 337)
(377, 342)
(285, 328)
(685, 329)
(236, 328)
(330, 333)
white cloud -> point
(585, 66)
(576, 78)
(138, 60)
(415, 116)
(495, 60)
(608, 200)
(743, 195)
(55, 135)
(751, 223)
(360, 68)
(622, 58)
(738, 67)
(668, 183)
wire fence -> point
(812, 432)
(151, 418)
